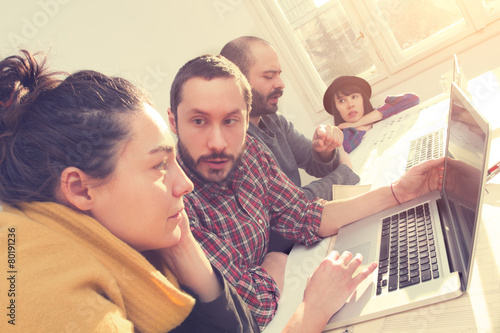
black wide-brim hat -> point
(341, 81)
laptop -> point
(425, 148)
(425, 248)
(408, 138)
(457, 72)
(431, 145)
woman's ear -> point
(171, 121)
(74, 188)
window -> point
(373, 39)
(428, 18)
(491, 5)
(326, 34)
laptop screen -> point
(465, 165)
(457, 71)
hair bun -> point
(29, 81)
(22, 78)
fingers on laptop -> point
(351, 263)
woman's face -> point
(142, 202)
(351, 108)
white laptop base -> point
(364, 304)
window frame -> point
(393, 66)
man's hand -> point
(325, 139)
(419, 180)
(333, 282)
(327, 290)
(190, 266)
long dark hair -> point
(51, 120)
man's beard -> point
(215, 176)
(259, 103)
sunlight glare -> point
(320, 3)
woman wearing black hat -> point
(348, 100)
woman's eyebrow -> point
(167, 149)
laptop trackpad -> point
(364, 250)
(365, 288)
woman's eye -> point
(162, 166)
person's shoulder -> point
(278, 122)
(279, 118)
(254, 148)
(45, 247)
(58, 274)
(256, 152)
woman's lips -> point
(177, 215)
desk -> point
(478, 310)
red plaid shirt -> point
(232, 221)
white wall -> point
(143, 40)
(148, 40)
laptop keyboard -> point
(407, 251)
(425, 148)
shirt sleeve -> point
(304, 155)
(322, 188)
(257, 288)
(292, 214)
(329, 173)
(395, 104)
(352, 138)
(227, 313)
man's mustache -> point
(275, 93)
(214, 156)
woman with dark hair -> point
(348, 100)
(90, 188)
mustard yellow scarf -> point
(152, 301)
